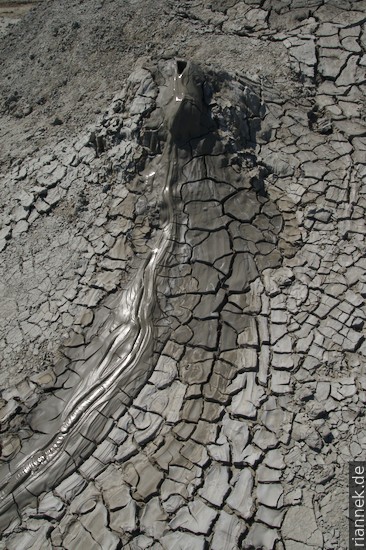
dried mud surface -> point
(182, 274)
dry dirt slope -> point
(280, 431)
(11, 13)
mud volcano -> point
(183, 277)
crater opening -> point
(181, 65)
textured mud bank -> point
(124, 361)
(183, 351)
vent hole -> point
(181, 65)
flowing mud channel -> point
(125, 360)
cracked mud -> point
(199, 251)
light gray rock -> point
(20, 227)
(205, 432)
(96, 523)
(165, 372)
(267, 475)
(50, 506)
(173, 503)
(241, 500)
(244, 272)
(281, 382)
(124, 520)
(141, 542)
(216, 485)
(269, 516)
(182, 541)
(270, 494)
(227, 531)
(221, 450)
(5, 232)
(279, 165)
(303, 51)
(153, 519)
(170, 488)
(206, 215)
(195, 453)
(8, 410)
(197, 517)
(274, 459)
(300, 526)
(276, 419)
(242, 19)
(149, 478)
(115, 491)
(246, 402)
(238, 434)
(70, 487)
(19, 213)
(265, 439)
(261, 536)
(77, 537)
(35, 539)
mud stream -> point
(131, 341)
